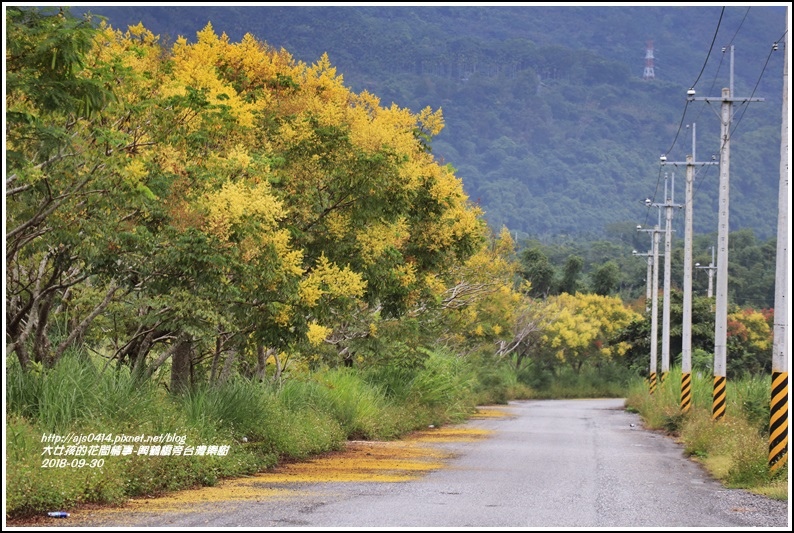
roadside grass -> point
(258, 424)
(262, 424)
(733, 448)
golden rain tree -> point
(583, 327)
(215, 202)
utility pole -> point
(778, 420)
(711, 269)
(668, 214)
(721, 314)
(686, 330)
(655, 300)
(649, 255)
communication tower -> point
(648, 72)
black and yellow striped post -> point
(663, 377)
(652, 383)
(778, 421)
(686, 391)
(718, 403)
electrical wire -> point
(710, 48)
(683, 114)
(703, 68)
(739, 28)
(647, 212)
(711, 89)
(758, 81)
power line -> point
(705, 62)
(740, 27)
(710, 48)
(648, 210)
(758, 81)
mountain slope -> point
(549, 121)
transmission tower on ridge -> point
(648, 72)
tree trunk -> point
(180, 367)
(227, 367)
(261, 364)
(215, 359)
(277, 375)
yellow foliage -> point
(434, 284)
(584, 323)
(406, 274)
(431, 121)
(223, 186)
(317, 333)
(338, 224)
(283, 315)
(235, 201)
(377, 237)
(169, 159)
(327, 278)
(752, 328)
(135, 171)
(194, 67)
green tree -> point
(606, 278)
(60, 189)
(536, 269)
(570, 274)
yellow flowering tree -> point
(583, 326)
(212, 202)
(478, 303)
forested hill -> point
(549, 120)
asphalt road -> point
(547, 464)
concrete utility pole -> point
(723, 229)
(686, 331)
(711, 269)
(649, 255)
(778, 420)
(668, 214)
(655, 300)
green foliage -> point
(499, 383)
(606, 278)
(349, 400)
(570, 274)
(750, 396)
(261, 423)
(45, 54)
(75, 394)
(33, 489)
(536, 269)
(605, 381)
(445, 383)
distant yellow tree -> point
(583, 326)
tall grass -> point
(261, 423)
(345, 397)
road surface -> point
(546, 463)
